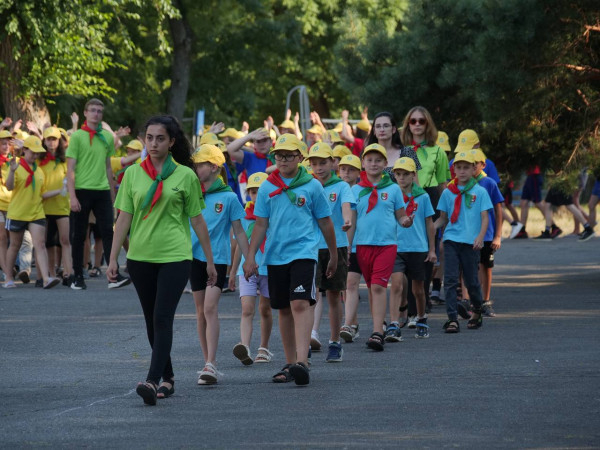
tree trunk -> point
(181, 34)
(15, 105)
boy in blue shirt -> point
(292, 196)
(467, 205)
(416, 246)
(341, 200)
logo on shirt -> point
(175, 189)
(218, 207)
(332, 197)
(301, 201)
(384, 196)
(473, 198)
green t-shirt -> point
(434, 166)
(90, 172)
(165, 234)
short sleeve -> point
(321, 207)
(193, 198)
(442, 171)
(262, 207)
(398, 200)
(496, 195)
(347, 196)
(236, 212)
(443, 202)
(73, 148)
(486, 202)
(124, 200)
(428, 207)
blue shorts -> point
(532, 189)
(596, 190)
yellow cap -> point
(272, 134)
(256, 179)
(135, 145)
(303, 148)
(339, 127)
(229, 132)
(333, 136)
(222, 146)
(467, 139)
(288, 124)
(443, 141)
(405, 163)
(477, 155)
(340, 151)
(315, 129)
(375, 148)
(306, 164)
(34, 144)
(350, 160)
(5, 134)
(64, 134)
(52, 132)
(364, 125)
(20, 134)
(286, 142)
(209, 138)
(464, 156)
(209, 153)
(320, 150)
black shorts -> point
(292, 281)
(412, 264)
(52, 236)
(487, 255)
(199, 277)
(354, 267)
(557, 197)
(21, 225)
(338, 281)
(507, 193)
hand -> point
(123, 131)
(75, 205)
(270, 123)
(216, 127)
(48, 125)
(345, 115)
(478, 244)
(212, 274)
(365, 113)
(331, 265)
(431, 257)
(250, 268)
(296, 117)
(6, 123)
(316, 116)
(312, 117)
(74, 119)
(18, 124)
(347, 225)
(259, 133)
(496, 243)
(288, 114)
(13, 164)
(232, 279)
(32, 127)
(112, 271)
(245, 127)
(409, 221)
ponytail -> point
(182, 148)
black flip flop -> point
(375, 342)
(147, 391)
(165, 391)
(284, 372)
(300, 373)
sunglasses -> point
(420, 121)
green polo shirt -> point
(434, 166)
(90, 172)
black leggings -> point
(159, 287)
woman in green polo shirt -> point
(158, 200)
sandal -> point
(284, 375)
(475, 323)
(209, 373)
(375, 342)
(452, 326)
(164, 391)
(242, 352)
(301, 375)
(263, 355)
(147, 390)
(94, 272)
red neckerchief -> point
(417, 146)
(25, 166)
(261, 156)
(3, 159)
(49, 157)
(364, 182)
(453, 187)
(152, 173)
(410, 204)
(277, 181)
(85, 127)
(250, 216)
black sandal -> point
(375, 342)
(475, 323)
(463, 309)
(452, 326)
(285, 373)
(300, 373)
(95, 272)
(163, 391)
(147, 390)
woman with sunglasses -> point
(385, 133)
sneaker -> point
(545, 236)
(23, 275)
(9, 285)
(119, 282)
(77, 283)
(487, 309)
(335, 352)
(66, 281)
(587, 234)
(393, 333)
(347, 333)
(412, 322)
(39, 283)
(422, 329)
(555, 231)
(521, 235)
(315, 344)
(515, 230)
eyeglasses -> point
(420, 121)
(262, 141)
(383, 126)
(286, 157)
(95, 110)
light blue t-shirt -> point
(337, 194)
(468, 225)
(414, 238)
(378, 227)
(293, 231)
(496, 197)
(222, 208)
(262, 269)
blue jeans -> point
(461, 256)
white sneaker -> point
(315, 344)
(412, 322)
(515, 230)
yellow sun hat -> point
(375, 148)
(478, 155)
(364, 125)
(209, 138)
(209, 153)
(256, 179)
(467, 139)
(443, 141)
(339, 151)
(287, 142)
(51, 132)
(405, 163)
(351, 160)
(229, 132)
(34, 144)
(320, 150)
(5, 134)
(135, 145)
(288, 124)
(464, 156)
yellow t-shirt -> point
(26, 202)
(5, 194)
(54, 174)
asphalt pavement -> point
(528, 378)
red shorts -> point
(376, 263)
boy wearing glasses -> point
(291, 196)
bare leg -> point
(378, 306)
(396, 296)
(248, 307)
(418, 288)
(201, 322)
(266, 321)
(16, 238)
(335, 308)
(288, 335)
(303, 320)
(38, 236)
(63, 234)
(351, 306)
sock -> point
(437, 284)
